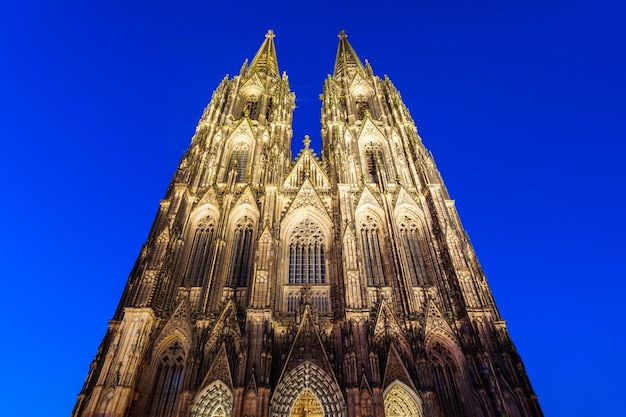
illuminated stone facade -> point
(339, 286)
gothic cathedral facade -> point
(340, 285)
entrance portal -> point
(307, 405)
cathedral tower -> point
(336, 286)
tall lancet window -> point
(167, 381)
(446, 377)
(361, 105)
(372, 256)
(373, 161)
(199, 257)
(251, 107)
(238, 162)
(409, 232)
(241, 257)
(307, 264)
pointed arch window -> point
(241, 257)
(372, 256)
(445, 379)
(199, 255)
(373, 161)
(409, 233)
(167, 381)
(307, 259)
(251, 107)
(239, 162)
(361, 105)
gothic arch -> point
(237, 154)
(321, 384)
(168, 366)
(214, 400)
(448, 372)
(308, 240)
(371, 231)
(401, 401)
(413, 234)
(199, 244)
(206, 210)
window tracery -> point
(167, 380)
(409, 233)
(373, 161)
(372, 256)
(199, 255)
(241, 254)
(238, 161)
(445, 373)
(307, 263)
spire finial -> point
(270, 34)
(307, 141)
(342, 34)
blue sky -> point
(522, 104)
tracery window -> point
(409, 233)
(251, 106)
(361, 105)
(445, 376)
(307, 263)
(167, 381)
(373, 161)
(372, 256)
(238, 162)
(199, 255)
(241, 255)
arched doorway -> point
(307, 405)
(400, 401)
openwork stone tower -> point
(336, 286)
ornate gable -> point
(360, 87)
(253, 85)
(367, 197)
(306, 167)
(369, 129)
(227, 322)
(395, 369)
(435, 320)
(220, 369)
(405, 198)
(210, 197)
(308, 197)
(307, 347)
(247, 198)
(178, 323)
(386, 323)
(242, 129)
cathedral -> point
(338, 285)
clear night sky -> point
(521, 102)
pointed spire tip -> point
(270, 34)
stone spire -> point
(347, 62)
(265, 59)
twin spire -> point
(346, 62)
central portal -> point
(307, 405)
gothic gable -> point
(178, 325)
(387, 324)
(307, 167)
(405, 199)
(220, 369)
(252, 86)
(247, 198)
(227, 323)
(242, 129)
(210, 197)
(369, 130)
(395, 369)
(368, 199)
(308, 198)
(307, 346)
(360, 87)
